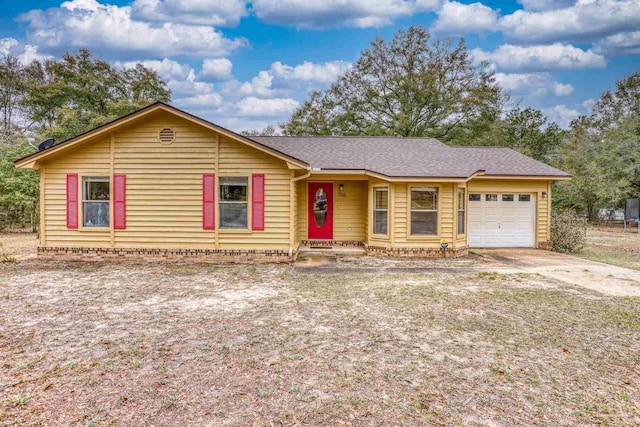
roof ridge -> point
(342, 136)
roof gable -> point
(31, 160)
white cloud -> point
(561, 89)
(259, 86)
(310, 72)
(532, 84)
(167, 69)
(26, 54)
(586, 20)
(556, 56)
(455, 17)
(111, 29)
(540, 5)
(619, 44)
(200, 12)
(210, 100)
(217, 70)
(562, 115)
(338, 13)
(252, 106)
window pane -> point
(381, 199)
(233, 188)
(474, 197)
(380, 222)
(95, 214)
(461, 199)
(460, 222)
(424, 223)
(524, 197)
(96, 189)
(491, 197)
(233, 215)
(320, 207)
(424, 198)
(507, 197)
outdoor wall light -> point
(341, 187)
(544, 194)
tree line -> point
(59, 98)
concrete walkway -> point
(604, 278)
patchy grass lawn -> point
(18, 246)
(240, 345)
(613, 247)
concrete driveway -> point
(605, 278)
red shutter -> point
(257, 202)
(72, 200)
(208, 201)
(119, 201)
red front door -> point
(320, 210)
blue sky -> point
(245, 64)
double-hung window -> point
(424, 211)
(461, 210)
(233, 202)
(96, 199)
(380, 210)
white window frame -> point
(373, 222)
(85, 200)
(222, 202)
(436, 210)
(463, 210)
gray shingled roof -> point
(406, 157)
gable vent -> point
(167, 136)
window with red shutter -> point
(257, 202)
(72, 200)
(208, 201)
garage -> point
(502, 220)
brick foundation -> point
(342, 243)
(160, 255)
(417, 252)
(547, 246)
(64, 253)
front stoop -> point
(326, 254)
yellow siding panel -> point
(89, 160)
(237, 159)
(350, 211)
(402, 237)
(164, 183)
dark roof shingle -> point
(406, 157)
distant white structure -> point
(611, 214)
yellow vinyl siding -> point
(522, 186)
(350, 211)
(302, 210)
(164, 183)
(89, 160)
(237, 159)
(402, 236)
(164, 188)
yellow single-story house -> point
(162, 183)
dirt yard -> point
(275, 345)
(613, 247)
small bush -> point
(568, 232)
(5, 257)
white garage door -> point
(502, 220)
